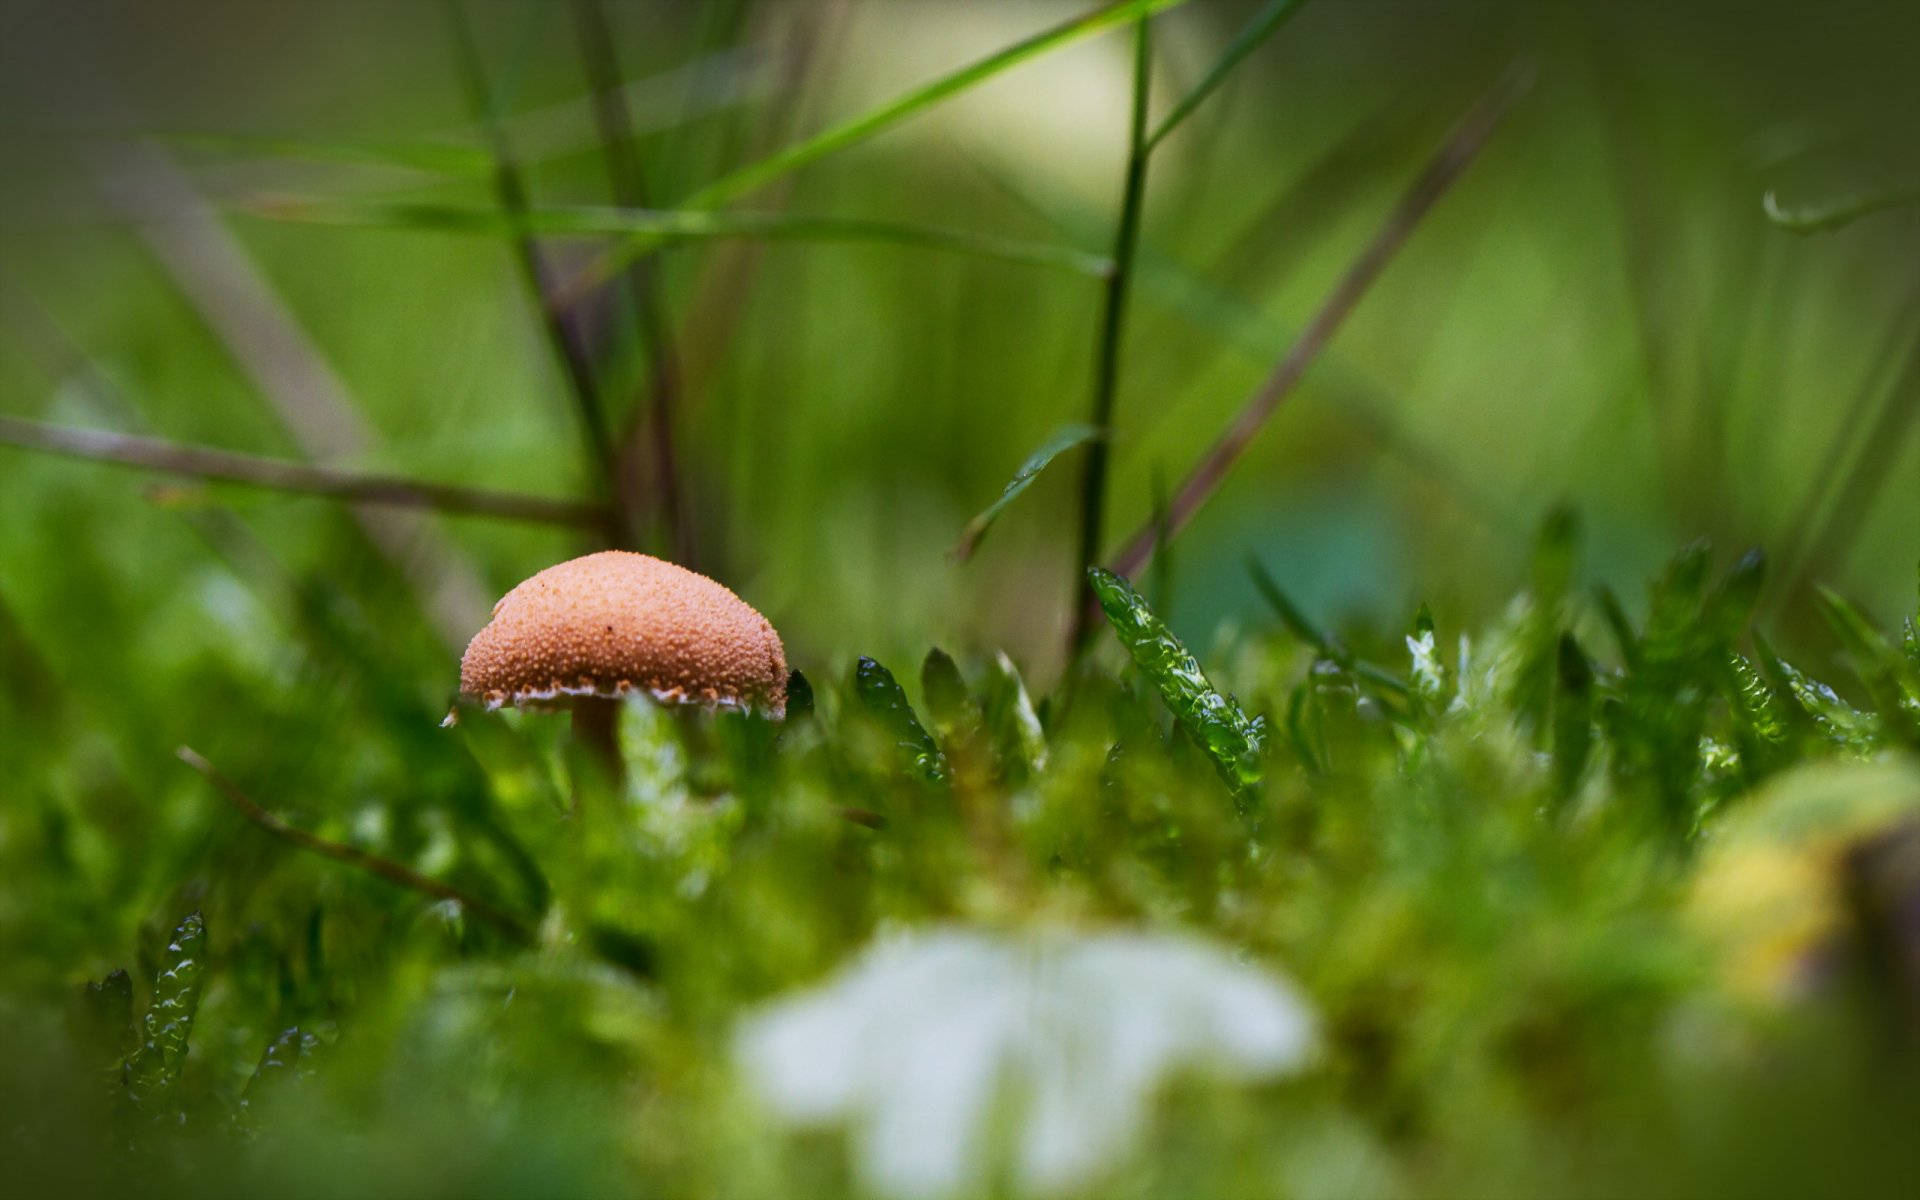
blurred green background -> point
(1600, 314)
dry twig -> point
(395, 873)
(281, 475)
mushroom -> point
(586, 633)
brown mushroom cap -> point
(613, 622)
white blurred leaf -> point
(918, 1042)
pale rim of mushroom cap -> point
(615, 624)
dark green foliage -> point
(1377, 678)
(799, 697)
(1235, 742)
(1676, 671)
(945, 690)
(286, 1062)
(105, 1018)
(153, 1068)
(1888, 677)
(1485, 850)
(1818, 706)
(1573, 704)
(881, 696)
(1484, 893)
(1761, 724)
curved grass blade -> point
(881, 695)
(1059, 442)
(859, 129)
(154, 1066)
(1837, 214)
(1235, 743)
(447, 158)
(662, 226)
(1264, 23)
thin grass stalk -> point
(674, 226)
(654, 417)
(1258, 30)
(1830, 538)
(758, 174)
(1113, 314)
(1462, 146)
(511, 193)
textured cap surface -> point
(613, 622)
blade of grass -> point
(1446, 166)
(663, 101)
(281, 475)
(1059, 442)
(1824, 478)
(849, 133)
(1263, 25)
(1201, 298)
(447, 158)
(875, 121)
(650, 436)
(665, 226)
(1106, 372)
(1830, 539)
(511, 194)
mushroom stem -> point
(596, 737)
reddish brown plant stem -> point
(1459, 150)
(395, 873)
(281, 475)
